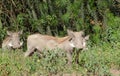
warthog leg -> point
(29, 52)
(69, 56)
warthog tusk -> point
(21, 43)
(72, 45)
(84, 44)
(10, 44)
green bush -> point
(97, 60)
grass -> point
(97, 61)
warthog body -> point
(41, 42)
(12, 40)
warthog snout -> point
(17, 45)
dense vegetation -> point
(99, 18)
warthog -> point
(12, 40)
(40, 42)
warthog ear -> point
(9, 33)
(20, 32)
(87, 37)
(70, 33)
(82, 33)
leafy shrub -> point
(53, 61)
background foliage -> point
(99, 18)
(53, 17)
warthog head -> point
(77, 39)
(14, 39)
